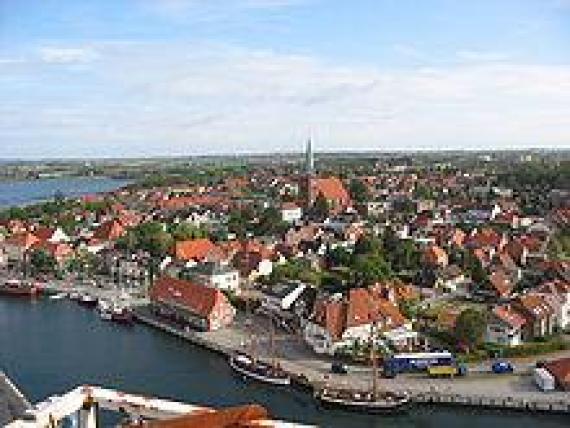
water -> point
(30, 191)
(48, 347)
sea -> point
(17, 193)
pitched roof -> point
(197, 298)
(509, 316)
(109, 231)
(24, 240)
(44, 233)
(535, 306)
(196, 249)
(560, 369)
(331, 316)
(501, 283)
(330, 188)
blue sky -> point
(182, 77)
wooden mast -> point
(249, 323)
(272, 341)
(374, 362)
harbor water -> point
(48, 347)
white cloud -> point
(67, 55)
(150, 98)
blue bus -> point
(401, 363)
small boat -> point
(74, 295)
(58, 296)
(106, 315)
(87, 300)
(18, 288)
(105, 310)
(258, 370)
(122, 315)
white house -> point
(216, 275)
(291, 212)
(505, 326)
(560, 291)
(338, 322)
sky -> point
(130, 78)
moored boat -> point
(87, 300)
(375, 401)
(58, 296)
(386, 402)
(18, 288)
(122, 315)
(258, 370)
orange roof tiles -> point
(331, 188)
(197, 298)
(196, 249)
(24, 240)
(509, 316)
(109, 231)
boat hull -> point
(366, 407)
(243, 371)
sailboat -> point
(372, 402)
(249, 366)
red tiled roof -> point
(197, 298)
(196, 249)
(109, 231)
(560, 369)
(330, 188)
(509, 316)
(25, 240)
(331, 316)
(485, 238)
(535, 306)
(44, 233)
(501, 283)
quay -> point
(482, 392)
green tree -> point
(320, 209)
(369, 269)
(42, 262)
(470, 327)
(358, 190)
(368, 244)
(186, 231)
(270, 222)
(338, 256)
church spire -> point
(309, 160)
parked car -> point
(500, 367)
(338, 367)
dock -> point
(12, 402)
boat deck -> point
(12, 402)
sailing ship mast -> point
(374, 362)
(249, 323)
(272, 341)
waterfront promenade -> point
(516, 391)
